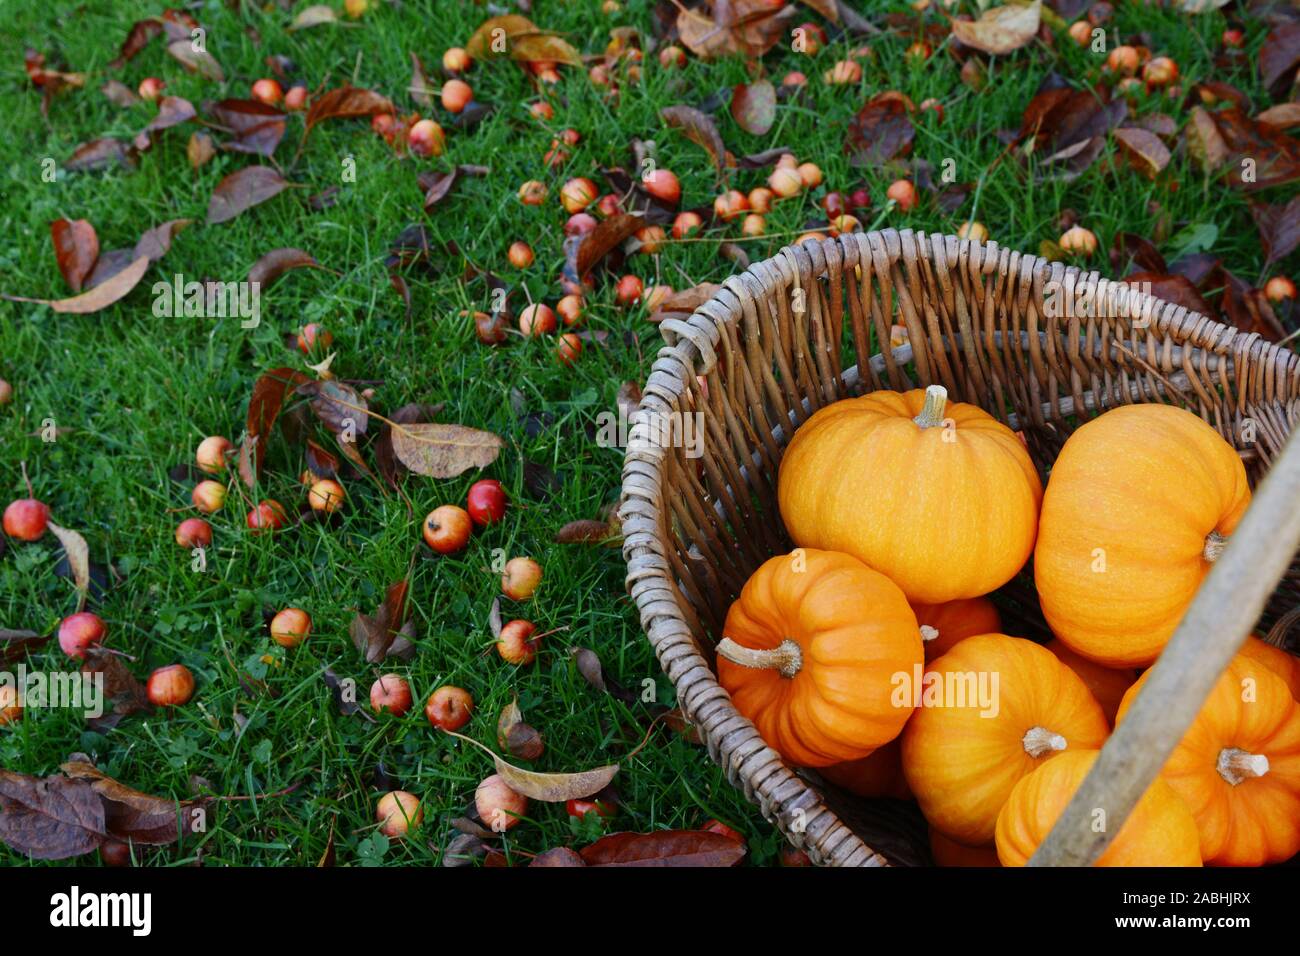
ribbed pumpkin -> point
(940, 497)
(810, 651)
(1108, 685)
(1138, 505)
(948, 852)
(1282, 663)
(943, 625)
(1159, 831)
(879, 774)
(961, 761)
(1238, 767)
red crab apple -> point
(671, 56)
(785, 182)
(170, 686)
(194, 533)
(356, 9)
(383, 124)
(920, 50)
(210, 456)
(685, 224)
(568, 348)
(498, 806)
(520, 254)
(456, 95)
(732, 203)
(536, 319)
(6, 392)
(860, 198)
(652, 239)
(77, 632)
(516, 644)
(267, 91)
(449, 707)
(1160, 71)
(314, 335)
(456, 60)
(295, 98)
(326, 496)
(794, 79)
(903, 193)
(491, 329)
(629, 289)
(425, 138)
(760, 200)
(577, 194)
(291, 627)
(1078, 240)
(580, 808)
(754, 225)
(1279, 289)
(1233, 38)
(532, 193)
(663, 185)
(446, 529)
(11, 711)
(569, 309)
(269, 515)
(151, 88)
(27, 518)
(843, 73)
(579, 224)
(608, 205)
(521, 578)
(720, 828)
(208, 496)
(1081, 32)
(486, 502)
(397, 813)
(1124, 60)
(115, 853)
(793, 856)
(542, 110)
(390, 692)
(811, 174)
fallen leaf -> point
(263, 409)
(50, 819)
(419, 86)
(444, 451)
(100, 154)
(141, 32)
(699, 128)
(257, 128)
(242, 190)
(1281, 117)
(746, 27)
(1204, 143)
(543, 47)
(130, 814)
(345, 706)
(1279, 57)
(314, 16)
(157, 242)
(665, 848)
(547, 787)
(585, 531)
(1279, 228)
(338, 405)
(78, 555)
(516, 737)
(99, 296)
(1000, 30)
(189, 55)
(593, 672)
(346, 102)
(200, 149)
(557, 856)
(119, 94)
(172, 111)
(14, 645)
(76, 247)
(882, 130)
(375, 635)
(277, 262)
(753, 106)
(1259, 156)
(1144, 150)
(123, 694)
(608, 234)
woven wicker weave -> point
(1009, 332)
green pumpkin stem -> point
(786, 657)
(1214, 545)
(936, 399)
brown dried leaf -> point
(608, 235)
(51, 819)
(314, 16)
(185, 52)
(882, 130)
(375, 636)
(141, 32)
(157, 242)
(543, 47)
(76, 247)
(99, 296)
(242, 190)
(346, 102)
(257, 128)
(419, 88)
(119, 94)
(584, 531)
(557, 856)
(753, 106)
(665, 848)
(444, 451)
(122, 691)
(1271, 158)
(263, 409)
(1144, 150)
(338, 405)
(130, 814)
(1000, 30)
(279, 261)
(1279, 57)
(200, 149)
(1204, 144)
(699, 128)
(14, 645)
(1279, 228)
(172, 111)
(100, 154)
(78, 555)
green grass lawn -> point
(132, 395)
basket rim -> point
(784, 798)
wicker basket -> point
(1012, 333)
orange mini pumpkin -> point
(953, 502)
(1159, 831)
(1238, 767)
(1282, 663)
(810, 651)
(943, 625)
(878, 774)
(1022, 706)
(1139, 503)
(1107, 684)
(948, 852)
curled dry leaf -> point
(243, 189)
(141, 32)
(49, 819)
(419, 87)
(346, 102)
(76, 247)
(172, 111)
(128, 813)
(882, 130)
(345, 696)
(746, 27)
(123, 694)
(608, 234)
(444, 451)
(256, 127)
(523, 41)
(375, 636)
(1279, 57)
(200, 149)
(1000, 30)
(699, 128)
(195, 59)
(1144, 150)
(78, 556)
(753, 106)
(157, 242)
(558, 856)
(516, 737)
(100, 154)
(584, 531)
(1279, 228)
(665, 848)
(494, 618)
(547, 787)
(263, 409)
(1204, 143)
(14, 645)
(279, 261)
(99, 296)
(314, 16)
(338, 405)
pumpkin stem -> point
(1214, 545)
(936, 399)
(929, 633)
(1236, 765)
(786, 657)
(1039, 741)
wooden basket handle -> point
(1226, 607)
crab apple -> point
(934, 106)
(652, 239)
(268, 515)
(577, 194)
(532, 193)
(1123, 59)
(580, 808)
(1081, 32)
(456, 60)
(808, 237)
(671, 56)
(356, 9)
(793, 856)
(794, 79)
(456, 95)
(628, 291)
(312, 336)
(843, 73)
(390, 692)
(1078, 240)
(568, 348)
(608, 205)
(542, 110)
(731, 204)
(295, 98)
(521, 578)
(720, 828)
(449, 707)
(1160, 71)
(446, 529)
(115, 853)
(498, 806)
(833, 203)
(686, 223)
(663, 185)
(486, 502)
(425, 138)
(903, 193)
(785, 182)
(27, 518)
(291, 627)
(11, 709)
(843, 223)
(811, 174)
(1233, 38)
(754, 225)
(79, 631)
(975, 231)
(760, 200)
(491, 329)
(536, 319)
(569, 309)
(520, 254)
(920, 50)
(194, 533)
(860, 199)
(398, 813)
(6, 392)
(571, 136)
(556, 155)
(1279, 289)
(208, 496)
(150, 88)
(383, 124)
(579, 224)
(599, 75)
(809, 38)
(267, 91)
(170, 686)
(655, 294)
(326, 496)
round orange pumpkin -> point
(1238, 767)
(1021, 706)
(948, 852)
(943, 625)
(1107, 684)
(810, 654)
(878, 774)
(938, 495)
(1282, 663)
(1138, 505)
(1159, 831)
